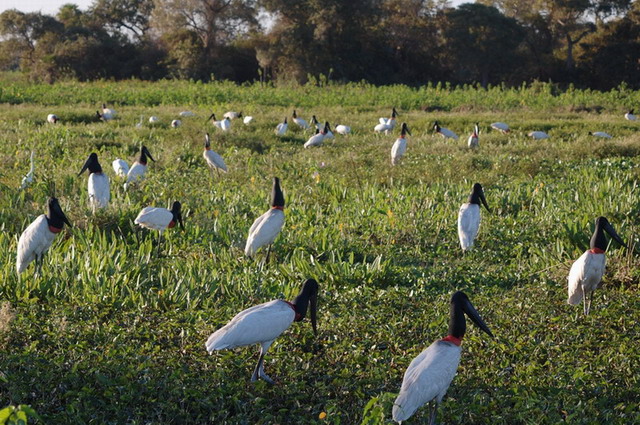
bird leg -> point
(590, 298)
(434, 410)
(585, 301)
(259, 371)
(268, 253)
(159, 241)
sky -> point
(50, 7)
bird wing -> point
(468, 224)
(383, 120)
(35, 239)
(247, 120)
(315, 140)
(381, 127)
(427, 377)
(154, 218)
(136, 172)
(98, 187)
(214, 160)
(398, 149)
(260, 323)
(586, 271)
(121, 167)
(264, 230)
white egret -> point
(28, 178)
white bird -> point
(587, 271)
(137, 170)
(500, 126)
(232, 115)
(223, 124)
(430, 374)
(299, 121)
(266, 228)
(52, 118)
(214, 161)
(140, 123)
(343, 129)
(28, 178)
(98, 183)
(263, 323)
(630, 116)
(600, 134)
(38, 236)
(176, 123)
(185, 114)
(445, 132)
(153, 119)
(281, 128)
(385, 124)
(469, 217)
(328, 134)
(318, 138)
(538, 135)
(120, 167)
(247, 120)
(107, 114)
(400, 145)
(160, 219)
(473, 139)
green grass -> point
(110, 333)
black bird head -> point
(405, 130)
(92, 164)
(460, 305)
(285, 120)
(308, 295)
(599, 240)
(56, 217)
(212, 117)
(277, 198)
(314, 120)
(176, 210)
(477, 195)
(327, 127)
(294, 114)
(207, 141)
(104, 106)
(99, 115)
(436, 127)
(394, 113)
(144, 153)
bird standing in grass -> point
(160, 219)
(281, 128)
(299, 121)
(630, 116)
(587, 271)
(400, 146)
(28, 178)
(430, 374)
(266, 228)
(214, 161)
(318, 138)
(469, 217)
(39, 235)
(136, 172)
(538, 135)
(107, 114)
(386, 124)
(120, 167)
(444, 132)
(473, 139)
(53, 118)
(263, 323)
(501, 127)
(98, 183)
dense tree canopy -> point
(592, 43)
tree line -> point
(590, 43)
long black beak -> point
(609, 229)
(484, 201)
(60, 214)
(147, 153)
(405, 128)
(211, 117)
(473, 314)
(207, 141)
(85, 166)
(394, 113)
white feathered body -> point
(585, 275)
(428, 377)
(630, 117)
(281, 128)
(473, 141)
(398, 149)
(447, 134)
(52, 118)
(385, 125)
(187, 114)
(343, 129)
(214, 160)
(136, 172)
(98, 187)
(154, 218)
(108, 114)
(468, 224)
(500, 126)
(120, 167)
(28, 178)
(247, 120)
(264, 230)
(301, 123)
(315, 140)
(602, 134)
(225, 124)
(539, 135)
(34, 241)
(176, 123)
(260, 324)
(329, 135)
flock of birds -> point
(430, 374)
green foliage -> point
(20, 415)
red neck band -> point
(452, 339)
(171, 224)
(293, 307)
(207, 148)
(277, 208)
(596, 251)
(54, 229)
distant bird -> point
(266, 228)
(587, 271)
(247, 120)
(400, 145)
(600, 134)
(343, 129)
(386, 124)
(140, 123)
(299, 121)
(473, 139)
(444, 132)
(263, 323)
(232, 115)
(107, 114)
(120, 167)
(176, 123)
(160, 219)
(137, 170)
(98, 183)
(38, 236)
(328, 134)
(185, 114)
(215, 122)
(28, 178)
(500, 126)
(630, 116)
(53, 118)
(214, 161)
(430, 374)
(153, 119)
(224, 124)
(318, 138)
(469, 217)
(281, 128)
(538, 135)
(315, 123)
